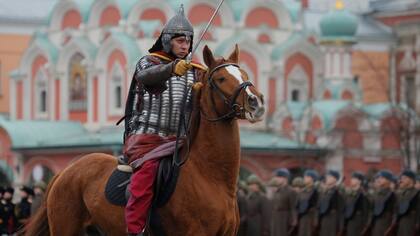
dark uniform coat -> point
(384, 203)
(330, 210)
(356, 213)
(258, 214)
(23, 212)
(36, 202)
(408, 212)
(242, 214)
(283, 214)
(7, 217)
(307, 208)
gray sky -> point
(25, 10)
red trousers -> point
(142, 179)
(141, 189)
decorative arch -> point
(327, 95)
(42, 161)
(310, 55)
(272, 13)
(110, 16)
(104, 13)
(391, 127)
(298, 82)
(200, 11)
(351, 121)
(86, 51)
(33, 59)
(116, 80)
(352, 138)
(71, 19)
(316, 122)
(260, 16)
(302, 62)
(150, 10)
(153, 14)
(113, 52)
(347, 95)
(65, 15)
(287, 126)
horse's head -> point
(227, 92)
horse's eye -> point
(221, 79)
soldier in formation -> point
(388, 205)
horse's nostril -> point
(253, 102)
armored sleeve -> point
(153, 74)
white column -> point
(328, 63)
(12, 98)
(393, 79)
(51, 94)
(347, 64)
(279, 76)
(90, 98)
(336, 63)
(64, 100)
(102, 93)
(27, 101)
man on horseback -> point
(158, 102)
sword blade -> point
(189, 57)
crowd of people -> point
(14, 214)
(386, 204)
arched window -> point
(295, 95)
(41, 91)
(297, 84)
(41, 173)
(115, 89)
(77, 84)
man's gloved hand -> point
(181, 67)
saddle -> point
(117, 192)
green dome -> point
(339, 25)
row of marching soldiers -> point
(14, 214)
(387, 206)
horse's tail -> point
(38, 223)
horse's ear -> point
(235, 54)
(208, 56)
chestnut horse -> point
(204, 201)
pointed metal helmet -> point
(179, 24)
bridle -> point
(234, 108)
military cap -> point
(297, 182)
(27, 190)
(272, 183)
(386, 174)
(334, 174)
(40, 184)
(282, 172)
(9, 190)
(358, 175)
(410, 174)
(312, 173)
(253, 179)
(242, 185)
